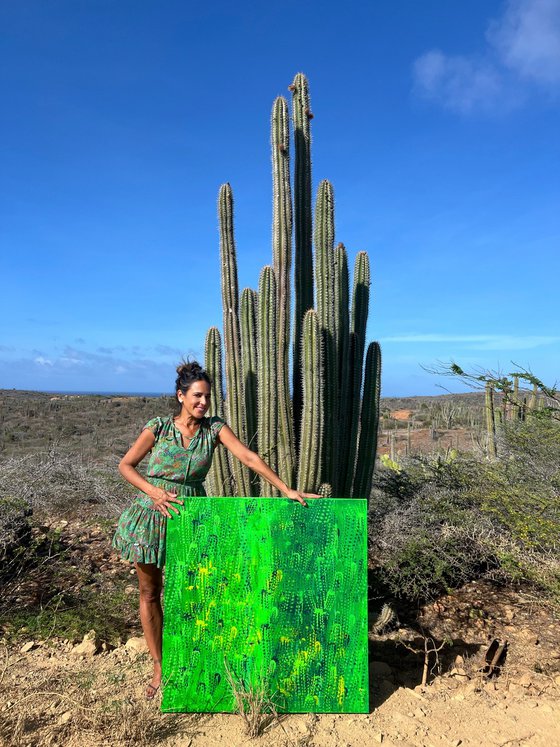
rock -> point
(378, 737)
(29, 646)
(138, 645)
(515, 688)
(65, 718)
(526, 680)
(88, 647)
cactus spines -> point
(369, 422)
(303, 230)
(249, 355)
(324, 278)
(310, 446)
(360, 307)
(282, 262)
(490, 420)
(267, 374)
(384, 619)
(230, 305)
(219, 477)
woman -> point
(182, 449)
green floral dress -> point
(140, 535)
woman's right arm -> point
(163, 499)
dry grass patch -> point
(59, 701)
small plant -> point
(429, 648)
(254, 704)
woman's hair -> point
(187, 373)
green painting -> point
(273, 593)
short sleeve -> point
(154, 425)
(216, 425)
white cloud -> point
(41, 361)
(522, 48)
(527, 39)
(478, 342)
(458, 83)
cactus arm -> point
(249, 362)
(267, 374)
(219, 479)
(360, 307)
(310, 446)
(324, 278)
(282, 261)
(342, 337)
(230, 305)
(303, 276)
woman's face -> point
(196, 400)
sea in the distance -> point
(64, 392)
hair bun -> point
(188, 368)
(188, 372)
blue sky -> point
(436, 122)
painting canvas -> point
(270, 595)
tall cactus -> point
(268, 373)
(310, 439)
(249, 364)
(311, 447)
(282, 257)
(301, 116)
(219, 479)
(369, 423)
(230, 304)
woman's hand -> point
(163, 501)
(296, 495)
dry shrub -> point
(58, 482)
(254, 704)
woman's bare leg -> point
(151, 616)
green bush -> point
(436, 523)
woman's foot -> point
(151, 691)
(153, 686)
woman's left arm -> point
(228, 438)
